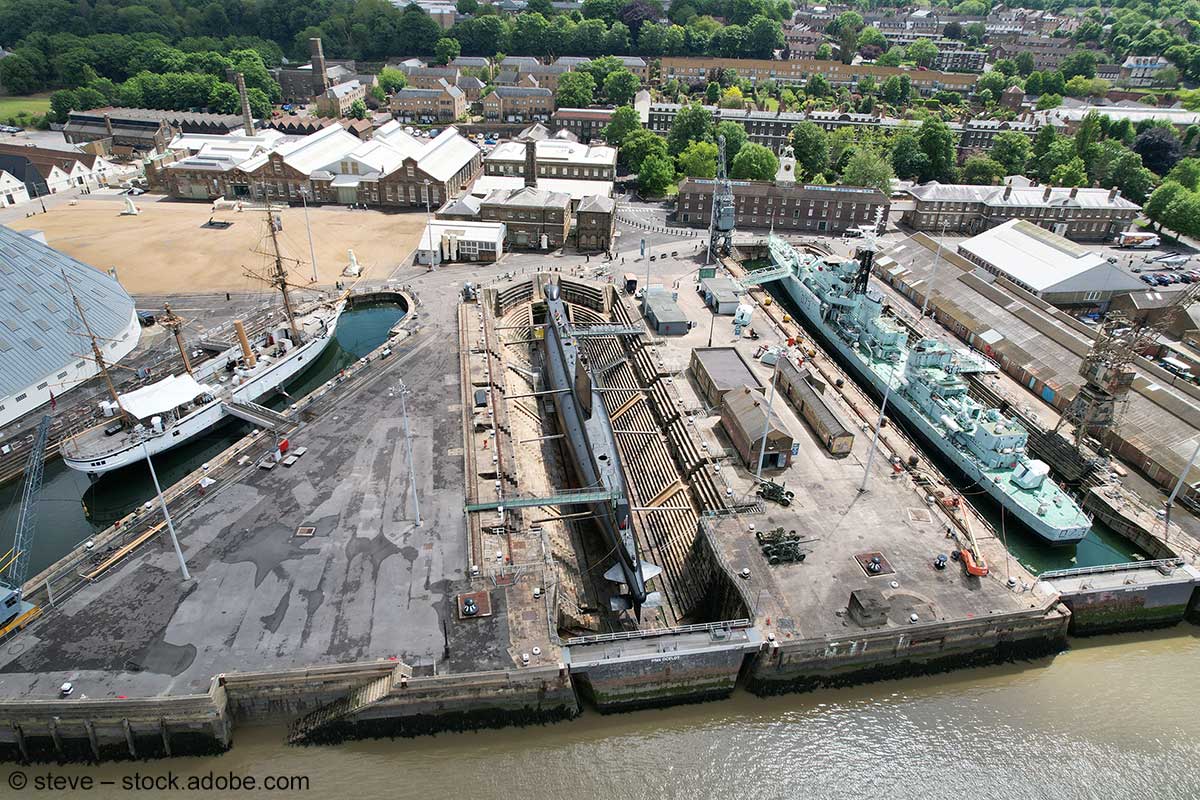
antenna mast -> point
(279, 278)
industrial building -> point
(720, 294)
(595, 222)
(1095, 215)
(12, 190)
(45, 171)
(142, 130)
(445, 240)
(784, 206)
(41, 334)
(1042, 348)
(827, 425)
(1048, 265)
(1068, 117)
(718, 370)
(744, 419)
(663, 313)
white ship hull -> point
(202, 419)
(810, 306)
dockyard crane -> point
(15, 611)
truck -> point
(1138, 239)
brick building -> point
(518, 104)
(585, 123)
(693, 70)
(595, 221)
(784, 206)
(443, 104)
(534, 218)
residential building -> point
(587, 124)
(44, 170)
(546, 75)
(978, 134)
(471, 62)
(446, 240)
(12, 190)
(635, 64)
(595, 222)
(472, 87)
(1048, 265)
(519, 62)
(339, 99)
(1081, 214)
(694, 70)
(443, 104)
(554, 158)
(1143, 70)
(784, 206)
(802, 42)
(534, 218)
(423, 77)
(518, 104)
(953, 60)
(1047, 51)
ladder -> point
(343, 708)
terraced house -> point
(518, 104)
(791, 73)
(445, 103)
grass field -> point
(35, 105)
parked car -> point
(1162, 280)
(1149, 279)
(10, 129)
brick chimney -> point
(108, 124)
(1046, 194)
(320, 81)
(247, 119)
(1074, 191)
(1113, 194)
(1007, 190)
(531, 162)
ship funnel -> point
(247, 353)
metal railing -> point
(1159, 564)
(702, 627)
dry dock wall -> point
(864, 656)
(1130, 600)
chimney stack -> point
(531, 162)
(108, 124)
(1074, 191)
(1046, 194)
(1113, 194)
(1007, 190)
(320, 79)
(247, 120)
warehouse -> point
(1048, 265)
(40, 329)
(744, 418)
(718, 370)
(796, 385)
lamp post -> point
(166, 514)
(887, 391)
(312, 251)
(412, 473)
(762, 445)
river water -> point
(71, 510)
(1112, 718)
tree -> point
(625, 120)
(953, 30)
(602, 9)
(871, 37)
(1186, 173)
(1033, 83)
(1159, 148)
(467, 7)
(446, 50)
(937, 142)
(894, 90)
(1162, 198)
(639, 145)
(656, 174)
(712, 93)
(868, 168)
(636, 13)
(818, 86)
(18, 75)
(732, 98)
(754, 162)
(735, 137)
(993, 81)
(824, 52)
(1011, 150)
(1024, 62)
(922, 51)
(810, 145)
(699, 160)
(1061, 152)
(620, 86)
(575, 90)
(1081, 62)
(1048, 101)
(358, 109)
(62, 103)
(392, 80)
(224, 99)
(908, 159)
(763, 37)
(982, 170)
(693, 123)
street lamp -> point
(166, 514)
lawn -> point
(34, 105)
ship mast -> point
(279, 278)
(174, 323)
(97, 354)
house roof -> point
(521, 91)
(598, 204)
(557, 151)
(527, 197)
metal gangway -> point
(258, 415)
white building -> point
(12, 190)
(459, 240)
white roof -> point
(163, 395)
(431, 237)
(578, 189)
(446, 155)
(1135, 114)
(319, 150)
(1045, 261)
(558, 150)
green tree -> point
(392, 80)
(446, 50)
(224, 99)
(656, 174)
(810, 145)
(1048, 101)
(1186, 173)
(818, 86)
(868, 168)
(938, 144)
(639, 145)
(620, 86)
(1081, 62)
(993, 81)
(754, 162)
(922, 51)
(895, 90)
(1011, 150)
(358, 109)
(982, 170)
(62, 103)
(763, 37)
(908, 159)
(18, 75)
(1161, 199)
(467, 7)
(624, 121)
(575, 90)
(735, 137)
(1061, 152)
(712, 93)
(699, 160)
(693, 123)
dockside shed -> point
(744, 416)
(718, 370)
(720, 294)
(664, 315)
(796, 385)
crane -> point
(15, 612)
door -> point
(347, 195)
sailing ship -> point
(154, 418)
(923, 387)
